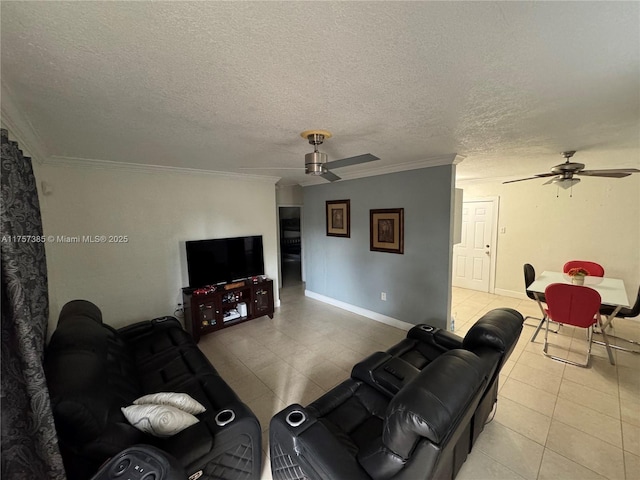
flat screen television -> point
(223, 260)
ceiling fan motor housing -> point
(314, 163)
(568, 167)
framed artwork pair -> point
(386, 226)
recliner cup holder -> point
(225, 417)
(295, 418)
(427, 328)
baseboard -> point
(378, 317)
(510, 293)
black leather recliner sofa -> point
(93, 370)
(412, 412)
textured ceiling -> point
(227, 86)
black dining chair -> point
(634, 311)
(529, 278)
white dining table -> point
(612, 292)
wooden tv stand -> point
(208, 312)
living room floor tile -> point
(529, 396)
(539, 361)
(629, 382)
(258, 358)
(248, 388)
(481, 466)
(601, 402)
(589, 421)
(630, 410)
(631, 465)
(326, 374)
(591, 452)
(631, 436)
(507, 367)
(298, 389)
(601, 375)
(512, 449)
(555, 466)
(265, 407)
(233, 369)
(521, 419)
(536, 378)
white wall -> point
(289, 195)
(601, 222)
(158, 211)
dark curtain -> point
(29, 443)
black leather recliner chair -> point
(412, 412)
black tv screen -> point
(221, 260)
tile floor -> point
(553, 421)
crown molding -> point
(19, 128)
(61, 161)
(438, 161)
(484, 180)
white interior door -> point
(472, 256)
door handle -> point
(487, 251)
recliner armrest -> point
(435, 336)
(364, 369)
(304, 446)
(385, 372)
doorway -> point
(290, 246)
(474, 256)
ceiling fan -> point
(316, 162)
(564, 172)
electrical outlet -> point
(383, 296)
(503, 229)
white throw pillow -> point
(183, 401)
(158, 420)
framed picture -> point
(387, 230)
(338, 218)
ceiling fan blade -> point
(346, 162)
(539, 175)
(332, 177)
(269, 168)
(612, 173)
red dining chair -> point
(573, 305)
(594, 269)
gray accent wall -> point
(417, 283)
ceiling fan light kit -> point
(565, 183)
(564, 172)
